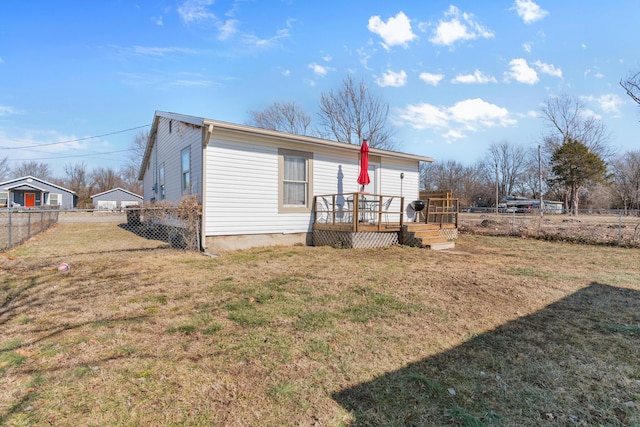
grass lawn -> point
(502, 331)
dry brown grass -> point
(501, 331)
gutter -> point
(207, 137)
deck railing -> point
(358, 211)
(441, 211)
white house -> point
(238, 174)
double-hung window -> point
(185, 161)
(4, 199)
(295, 180)
(55, 199)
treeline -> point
(514, 170)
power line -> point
(72, 155)
(71, 140)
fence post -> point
(10, 227)
(620, 229)
(29, 225)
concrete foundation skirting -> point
(349, 239)
(231, 243)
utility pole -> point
(540, 180)
(497, 193)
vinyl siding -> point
(242, 183)
(172, 137)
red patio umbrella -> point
(363, 178)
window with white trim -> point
(4, 199)
(54, 199)
(295, 171)
(185, 161)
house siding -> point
(118, 196)
(172, 137)
(243, 187)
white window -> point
(4, 199)
(295, 180)
(185, 160)
(161, 179)
(55, 199)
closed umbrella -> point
(363, 178)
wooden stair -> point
(426, 236)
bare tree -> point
(138, 148)
(105, 179)
(34, 169)
(632, 86)
(129, 175)
(568, 119)
(5, 170)
(464, 182)
(284, 117)
(626, 177)
(76, 177)
(353, 113)
(509, 161)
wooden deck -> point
(371, 220)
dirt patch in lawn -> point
(503, 331)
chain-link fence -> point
(179, 226)
(592, 226)
(16, 226)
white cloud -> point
(391, 78)
(464, 116)
(527, 46)
(155, 19)
(549, 69)
(476, 77)
(318, 69)
(425, 116)
(195, 10)
(476, 111)
(598, 75)
(395, 32)
(161, 51)
(7, 111)
(255, 41)
(529, 11)
(432, 79)
(521, 72)
(609, 103)
(460, 26)
(286, 73)
(228, 29)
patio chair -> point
(323, 210)
(385, 209)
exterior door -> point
(373, 187)
(29, 200)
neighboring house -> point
(256, 186)
(116, 199)
(31, 192)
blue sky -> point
(458, 76)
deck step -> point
(426, 233)
(440, 246)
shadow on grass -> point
(575, 362)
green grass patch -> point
(623, 329)
(9, 359)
